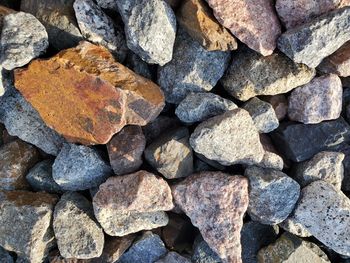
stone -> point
(272, 195)
(271, 158)
(171, 154)
(5, 256)
(150, 37)
(160, 125)
(16, 158)
(229, 138)
(30, 215)
(251, 74)
(263, 115)
(148, 249)
(291, 249)
(192, 69)
(131, 203)
(59, 20)
(4, 11)
(293, 227)
(108, 4)
(77, 233)
(78, 167)
(125, 150)
(98, 28)
(299, 142)
(136, 64)
(173, 257)
(279, 104)
(40, 178)
(197, 107)
(21, 31)
(319, 100)
(107, 96)
(201, 197)
(325, 212)
(311, 42)
(197, 19)
(243, 19)
(254, 236)
(202, 253)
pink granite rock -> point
(253, 22)
(279, 104)
(216, 203)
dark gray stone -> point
(108, 4)
(136, 64)
(202, 253)
(5, 256)
(161, 124)
(173, 257)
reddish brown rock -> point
(279, 104)
(253, 22)
(216, 203)
(86, 96)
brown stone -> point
(86, 96)
(197, 19)
(16, 158)
(216, 203)
(279, 104)
(253, 22)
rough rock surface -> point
(161, 124)
(317, 101)
(197, 19)
(112, 95)
(202, 253)
(229, 138)
(77, 233)
(255, 23)
(251, 74)
(23, 38)
(293, 227)
(272, 195)
(279, 104)
(16, 158)
(200, 106)
(311, 42)
(215, 202)
(173, 257)
(192, 69)
(150, 37)
(171, 154)
(130, 203)
(125, 150)
(5, 257)
(108, 4)
(78, 167)
(30, 215)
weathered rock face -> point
(293, 227)
(244, 20)
(173, 257)
(229, 138)
(311, 42)
(16, 158)
(130, 203)
(192, 69)
(215, 203)
(203, 253)
(106, 94)
(25, 223)
(107, 4)
(251, 74)
(151, 37)
(197, 19)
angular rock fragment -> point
(192, 69)
(136, 64)
(125, 150)
(311, 42)
(293, 227)
(78, 167)
(317, 101)
(203, 253)
(271, 157)
(173, 257)
(108, 4)
(229, 138)
(215, 202)
(106, 94)
(5, 257)
(200, 106)
(150, 37)
(23, 38)
(251, 74)
(279, 104)
(131, 203)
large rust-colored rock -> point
(86, 96)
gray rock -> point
(311, 42)
(23, 38)
(192, 69)
(108, 4)
(292, 226)
(251, 74)
(76, 230)
(202, 253)
(272, 195)
(136, 64)
(271, 160)
(79, 168)
(229, 138)
(148, 249)
(263, 115)
(149, 36)
(173, 257)
(171, 154)
(40, 178)
(6, 80)
(98, 28)
(201, 106)
(5, 257)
